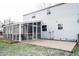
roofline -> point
(33, 21)
(12, 24)
(21, 23)
(44, 9)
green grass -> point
(8, 41)
(19, 49)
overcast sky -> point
(14, 9)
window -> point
(48, 13)
(60, 26)
(33, 16)
(44, 27)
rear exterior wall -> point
(66, 14)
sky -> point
(15, 9)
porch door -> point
(30, 31)
(34, 31)
(37, 30)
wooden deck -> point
(62, 45)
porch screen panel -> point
(39, 30)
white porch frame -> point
(19, 32)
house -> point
(57, 22)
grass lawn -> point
(19, 49)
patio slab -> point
(67, 46)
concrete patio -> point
(62, 45)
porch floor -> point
(62, 45)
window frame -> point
(33, 16)
(60, 26)
(48, 12)
(44, 27)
